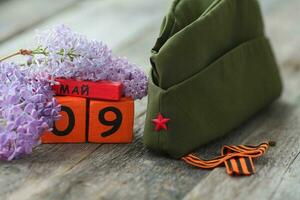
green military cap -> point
(212, 69)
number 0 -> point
(116, 123)
(71, 123)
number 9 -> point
(116, 123)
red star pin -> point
(160, 122)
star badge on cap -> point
(160, 122)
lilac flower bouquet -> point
(27, 103)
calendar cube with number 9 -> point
(111, 121)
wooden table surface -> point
(103, 171)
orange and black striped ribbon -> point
(238, 160)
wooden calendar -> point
(86, 119)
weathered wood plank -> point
(288, 186)
(271, 5)
(277, 176)
(282, 27)
(47, 160)
(110, 21)
(17, 16)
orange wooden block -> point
(111, 121)
(71, 128)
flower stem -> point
(20, 52)
(39, 50)
(10, 56)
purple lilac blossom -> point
(71, 55)
(27, 109)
